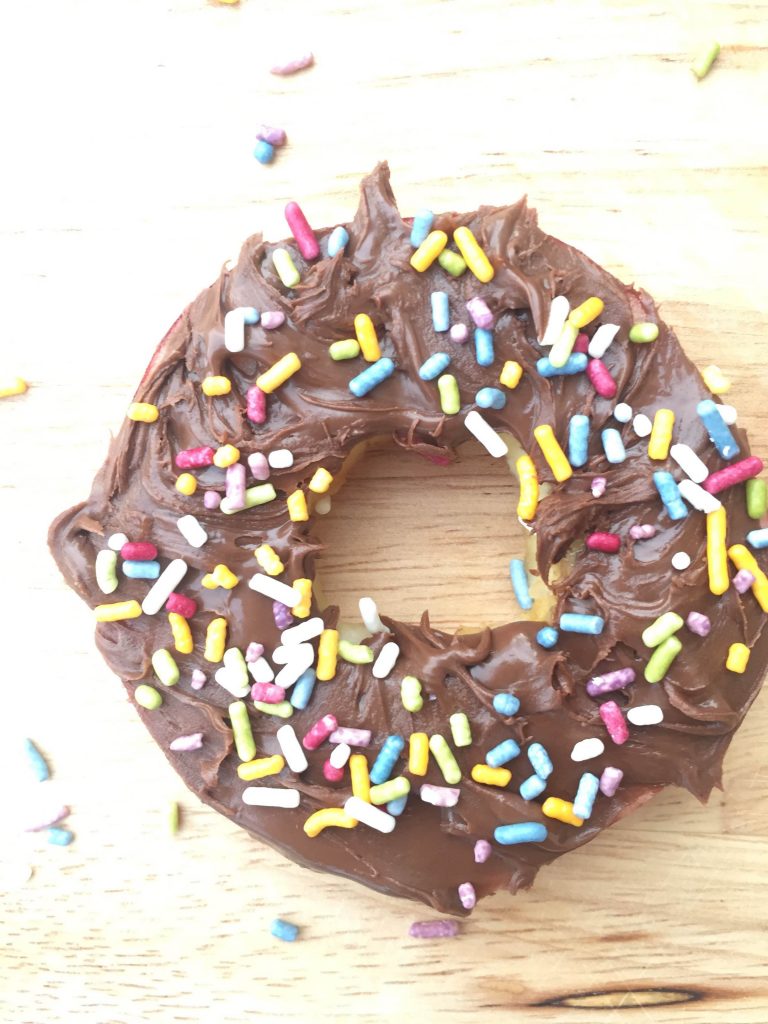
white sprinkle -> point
(681, 560)
(623, 412)
(234, 674)
(642, 425)
(689, 462)
(306, 630)
(164, 585)
(282, 655)
(323, 505)
(234, 329)
(192, 531)
(585, 750)
(369, 815)
(369, 613)
(697, 497)
(601, 341)
(271, 796)
(340, 755)
(646, 714)
(274, 589)
(261, 670)
(117, 540)
(729, 414)
(292, 751)
(280, 459)
(385, 662)
(296, 667)
(354, 737)
(439, 796)
(558, 314)
(493, 443)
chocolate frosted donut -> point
(475, 759)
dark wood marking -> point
(627, 999)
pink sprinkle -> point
(439, 796)
(734, 474)
(256, 405)
(483, 850)
(281, 613)
(353, 737)
(598, 486)
(198, 679)
(467, 895)
(235, 478)
(332, 774)
(319, 732)
(268, 693)
(306, 60)
(258, 465)
(611, 681)
(274, 136)
(481, 315)
(253, 651)
(272, 319)
(302, 232)
(613, 720)
(138, 551)
(459, 333)
(211, 499)
(195, 458)
(607, 542)
(644, 532)
(610, 781)
(743, 580)
(434, 929)
(581, 345)
(192, 742)
(180, 604)
(698, 623)
(45, 817)
(601, 379)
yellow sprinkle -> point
(743, 558)
(717, 555)
(269, 560)
(588, 311)
(141, 412)
(186, 484)
(327, 654)
(297, 507)
(13, 386)
(562, 810)
(215, 640)
(661, 435)
(473, 255)
(716, 380)
(366, 336)
(117, 611)
(491, 776)
(174, 817)
(209, 582)
(226, 456)
(418, 753)
(215, 386)
(182, 634)
(529, 487)
(327, 817)
(321, 481)
(286, 269)
(224, 577)
(738, 658)
(553, 453)
(279, 373)
(301, 609)
(450, 398)
(358, 773)
(511, 374)
(259, 769)
(563, 346)
(429, 250)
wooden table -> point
(128, 179)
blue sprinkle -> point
(519, 577)
(484, 354)
(434, 365)
(669, 493)
(284, 930)
(384, 764)
(60, 836)
(302, 689)
(522, 832)
(592, 625)
(396, 807)
(371, 377)
(575, 363)
(506, 704)
(613, 446)
(422, 225)
(36, 762)
(547, 637)
(719, 433)
(758, 538)
(264, 152)
(540, 760)
(578, 440)
(141, 570)
(490, 398)
(503, 752)
(584, 800)
(250, 315)
(532, 787)
(337, 240)
(441, 314)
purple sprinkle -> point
(267, 693)
(235, 478)
(743, 580)
(610, 781)
(598, 486)
(353, 737)
(192, 742)
(483, 850)
(434, 929)
(644, 532)
(481, 315)
(698, 623)
(439, 796)
(272, 319)
(258, 465)
(253, 651)
(282, 615)
(45, 817)
(290, 67)
(617, 680)
(459, 333)
(211, 499)
(467, 895)
(198, 679)
(274, 136)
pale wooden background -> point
(128, 179)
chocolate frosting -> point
(430, 851)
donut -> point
(435, 766)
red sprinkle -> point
(256, 405)
(607, 542)
(138, 551)
(302, 232)
(601, 379)
(737, 473)
(267, 693)
(613, 720)
(320, 732)
(581, 344)
(332, 774)
(181, 605)
(195, 458)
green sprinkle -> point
(705, 59)
(450, 400)
(355, 654)
(166, 669)
(452, 263)
(258, 495)
(147, 697)
(643, 332)
(757, 498)
(282, 710)
(347, 349)
(410, 693)
(446, 761)
(662, 658)
(173, 817)
(661, 629)
(245, 744)
(393, 789)
(460, 729)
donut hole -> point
(417, 536)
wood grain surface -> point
(127, 180)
